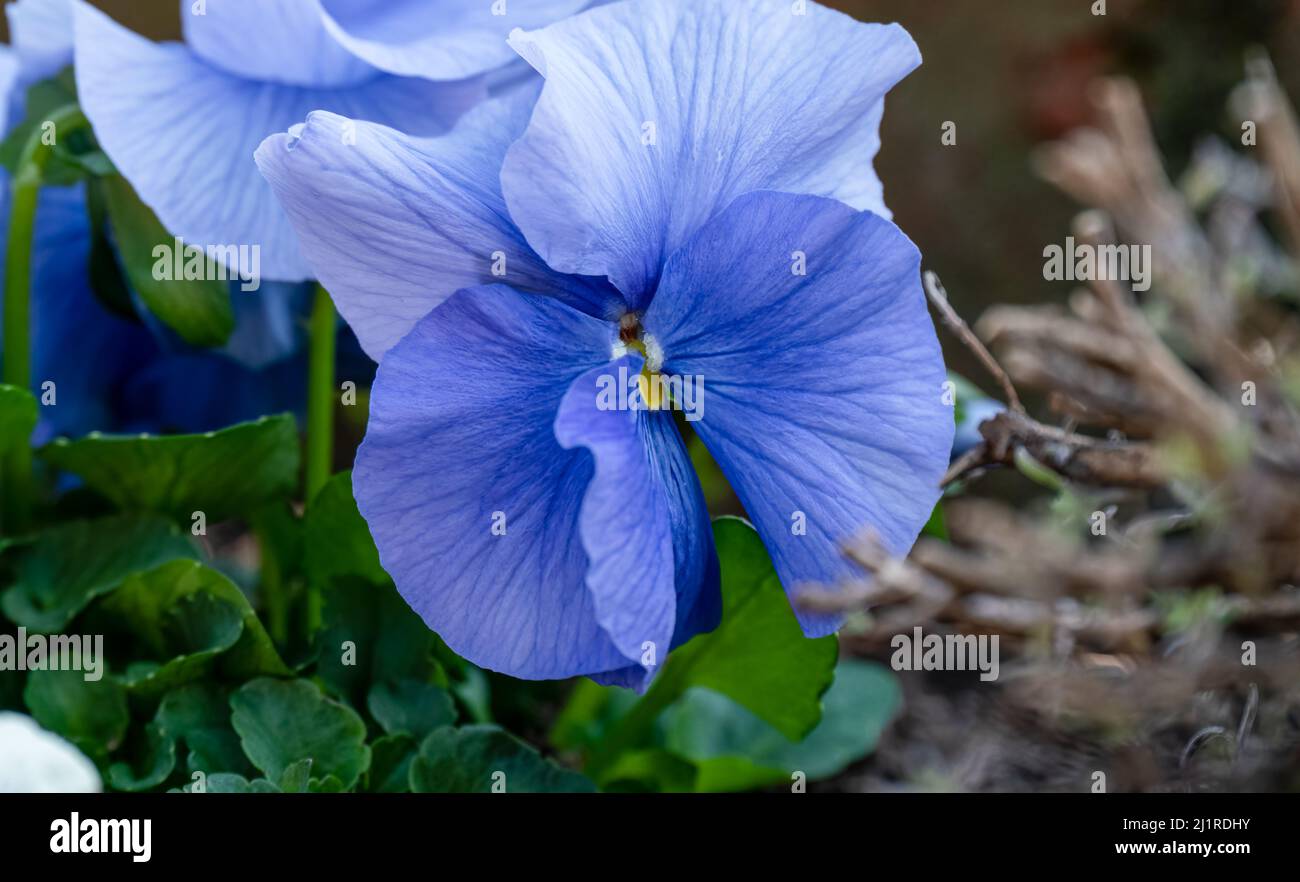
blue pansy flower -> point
(690, 196)
(181, 120)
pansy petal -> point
(823, 378)
(643, 523)
(279, 41)
(193, 167)
(393, 225)
(624, 520)
(656, 115)
(78, 345)
(193, 391)
(473, 504)
(10, 95)
(269, 324)
(440, 41)
(41, 34)
(698, 579)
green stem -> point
(17, 367)
(273, 590)
(320, 394)
(320, 416)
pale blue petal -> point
(624, 523)
(653, 570)
(10, 95)
(823, 392)
(393, 225)
(443, 40)
(460, 438)
(656, 115)
(41, 33)
(276, 41)
(270, 323)
(183, 133)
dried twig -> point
(1076, 457)
(939, 299)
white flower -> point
(33, 760)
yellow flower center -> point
(632, 338)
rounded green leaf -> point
(370, 636)
(199, 716)
(735, 750)
(281, 722)
(152, 761)
(190, 619)
(91, 714)
(221, 474)
(199, 310)
(67, 567)
(411, 707)
(390, 764)
(337, 540)
(487, 759)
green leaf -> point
(328, 784)
(411, 707)
(67, 567)
(759, 655)
(224, 782)
(43, 98)
(371, 627)
(735, 750)
(650, 771)
(589, 714)
(390, 764)
(193, 619)
(198, 310)
(18, 415)
(473, 759)
(473, 690)
(199, 716)
(155, 759)
(104, 272)
(222, 474)
(281, 722)
(296, 777)
(937, 526)
(91, 714)
(717, 491)
(76, 154)
(337, 540)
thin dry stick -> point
(934, 290)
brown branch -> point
(938, 297)
(1075, 457)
